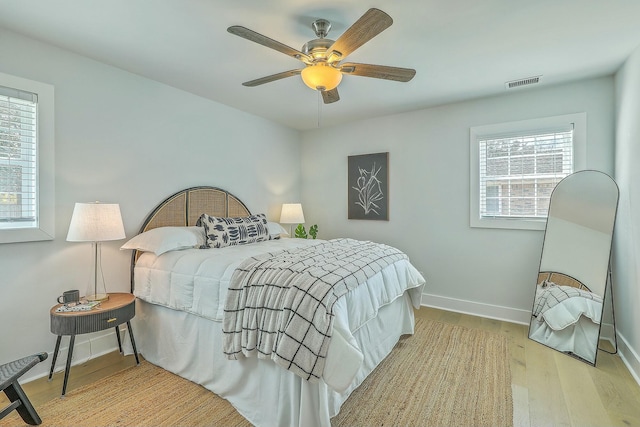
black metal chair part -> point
(9, 375)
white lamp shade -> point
(96, 222)
(291, 214)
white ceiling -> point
(460, 49)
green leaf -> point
(313, 231)
(301, 233)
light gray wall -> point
(626, 250)
(489, 272)
(124, 139)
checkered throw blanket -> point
(549, 295)
(279, 305)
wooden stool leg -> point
(26, 410)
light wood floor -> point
(552, 389)
(549, 388)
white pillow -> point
(164, 239)
(275, 229)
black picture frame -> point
(368, 186)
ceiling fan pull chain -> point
(319, 106)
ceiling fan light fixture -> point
(323, 57)
(321, 77)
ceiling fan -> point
(322, 56)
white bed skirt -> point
(580, 338)
(262, 392)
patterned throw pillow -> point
(223, 232)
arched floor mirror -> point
(574, 265)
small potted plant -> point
(301, 232)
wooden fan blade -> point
(329, 96)
(372, 23)
(251, 35)
(271, 78)
(378, 71)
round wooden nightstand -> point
(118, 309)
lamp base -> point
(97, 297)
(97, 291)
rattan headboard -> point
(185, 207)
(561, 279)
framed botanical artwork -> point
(368, 186)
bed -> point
(183, 304)
(566, 315)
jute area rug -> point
(444, 375)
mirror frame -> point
(563, 278)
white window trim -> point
(45, 163)
(579, 121)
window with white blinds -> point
(18, 158)
(27, 173)
(519, 172)
(516, 166)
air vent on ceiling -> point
(522, 82)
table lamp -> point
(96, 222)
(291, 214)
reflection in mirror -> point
(574, 266)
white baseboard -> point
(629, 357)
(87, 347)
(473, 308)
(606, 332)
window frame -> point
(45, 161)
(579, 121)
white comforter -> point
(564, 311)
(567, 323)
(196, 281)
